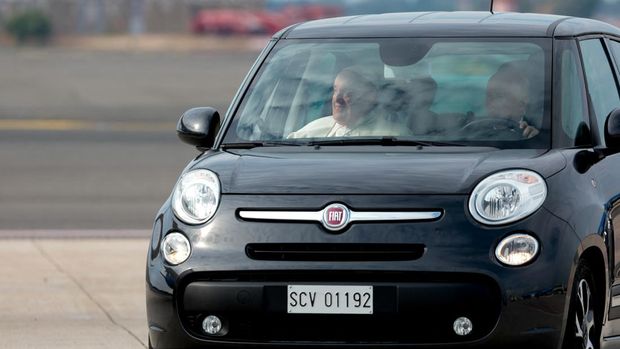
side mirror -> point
(199, 126)
(612, 129)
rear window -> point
(466, 91)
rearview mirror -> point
(199, 126)
(396, 54)
(612, 129)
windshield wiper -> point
(387, 141)
(250, 145)
(384, 141)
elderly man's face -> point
(507, 98)
(352, 100)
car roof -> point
(448, 24)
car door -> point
(601, 73)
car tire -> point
(583, 326)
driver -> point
(508, 97)
(355, 111)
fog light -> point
(212, 325)
(517, 249)
(175, 248)
(463, 326)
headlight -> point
(196, 196)
(507, 197)
(517, 249)
(175, 248)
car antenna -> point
(492, 7)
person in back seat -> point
(421, 119)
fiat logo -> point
(335, 217)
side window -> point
(615, 48)
(573, 106)
(601, 83)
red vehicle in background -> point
(227, 22)
(312, 12)
(257, 22)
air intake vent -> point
(335, 252)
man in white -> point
(355, 111)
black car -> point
(415, 180)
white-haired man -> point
(355, 111)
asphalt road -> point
(87, 139)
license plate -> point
(314, 299)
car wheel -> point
(583, 324)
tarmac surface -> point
(87, 139)
(88, 154)
(73, 293)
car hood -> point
(345, 171)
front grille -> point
(335, 252)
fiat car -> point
(418, 180)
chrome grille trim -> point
(364, 216)
(394, 216)
(282, 215)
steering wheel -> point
(485, 127)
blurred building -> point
(121, 16)
(177, 16)
(609, 10)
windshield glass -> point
(490, 92)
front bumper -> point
(410, 315)
(404, 311)
(416, 301)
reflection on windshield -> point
(436, 91)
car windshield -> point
(490, 92)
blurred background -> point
(90, 92)
(91, 89)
